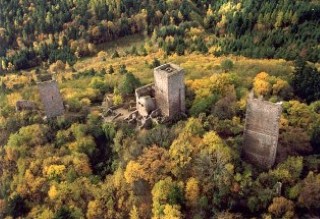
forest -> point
(36, 32)
(79, 166)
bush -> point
(203, 105)
(226, 65)
(74, 105)
(115, 55)
(128, 84)
(111, 70)
(155, 63)
(117, 99)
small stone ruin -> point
(261, 132)
(22, 105)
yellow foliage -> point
(172, 212)
(57, 67)
(192, 192)
(22, 189)
(262, 76)
(82, 166)
(134, 213)
(13, 80)
(2, 122)
(54, 170)
(227, 8)
(279, 86)
(160, 193)
(13, 98)
(102, 54)
(180, 153)
(132, 171)
(214, 48)
(242, 103)
(12, 153)
(95, 210)
(283, 122)
(85, 101)
(282, 208)
(53, 192)
(40, 212)
(211, 138)
(169, 39)
(261, 85)
(219, 83)
(117, 99)
(193, 127)
(195, 31)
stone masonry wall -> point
(51, 98)
(176, 95)
(170, 90)
(161, 91)
(261, 132)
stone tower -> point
(170, 89)
(51, 98)
(261, 132)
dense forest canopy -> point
(35, 31)
(80, 166)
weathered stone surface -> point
(166, 97)
(51, 98)
(146, 105)
(145, 101)
(146, 123)
(261, 132)
(25, 105)
(170, 89)
(155, 113)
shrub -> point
(226, 65)
(115, 55)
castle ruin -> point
(166, 95)
(145, 99)
(261, 132)
(51, 98)
(159, 102)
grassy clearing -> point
(196, 66)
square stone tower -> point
(261, 132)
(51, 98)
(170, 89)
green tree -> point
(227, 65)
(128, 84)
(306, 81)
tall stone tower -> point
(170, 89)
(261, 132)
(51, 98)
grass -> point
(196, 65)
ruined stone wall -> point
(51, 98)
(176, 89)
(170, 89)
(161, 90)
(140, 94)
(261, 132)
(147, 90)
